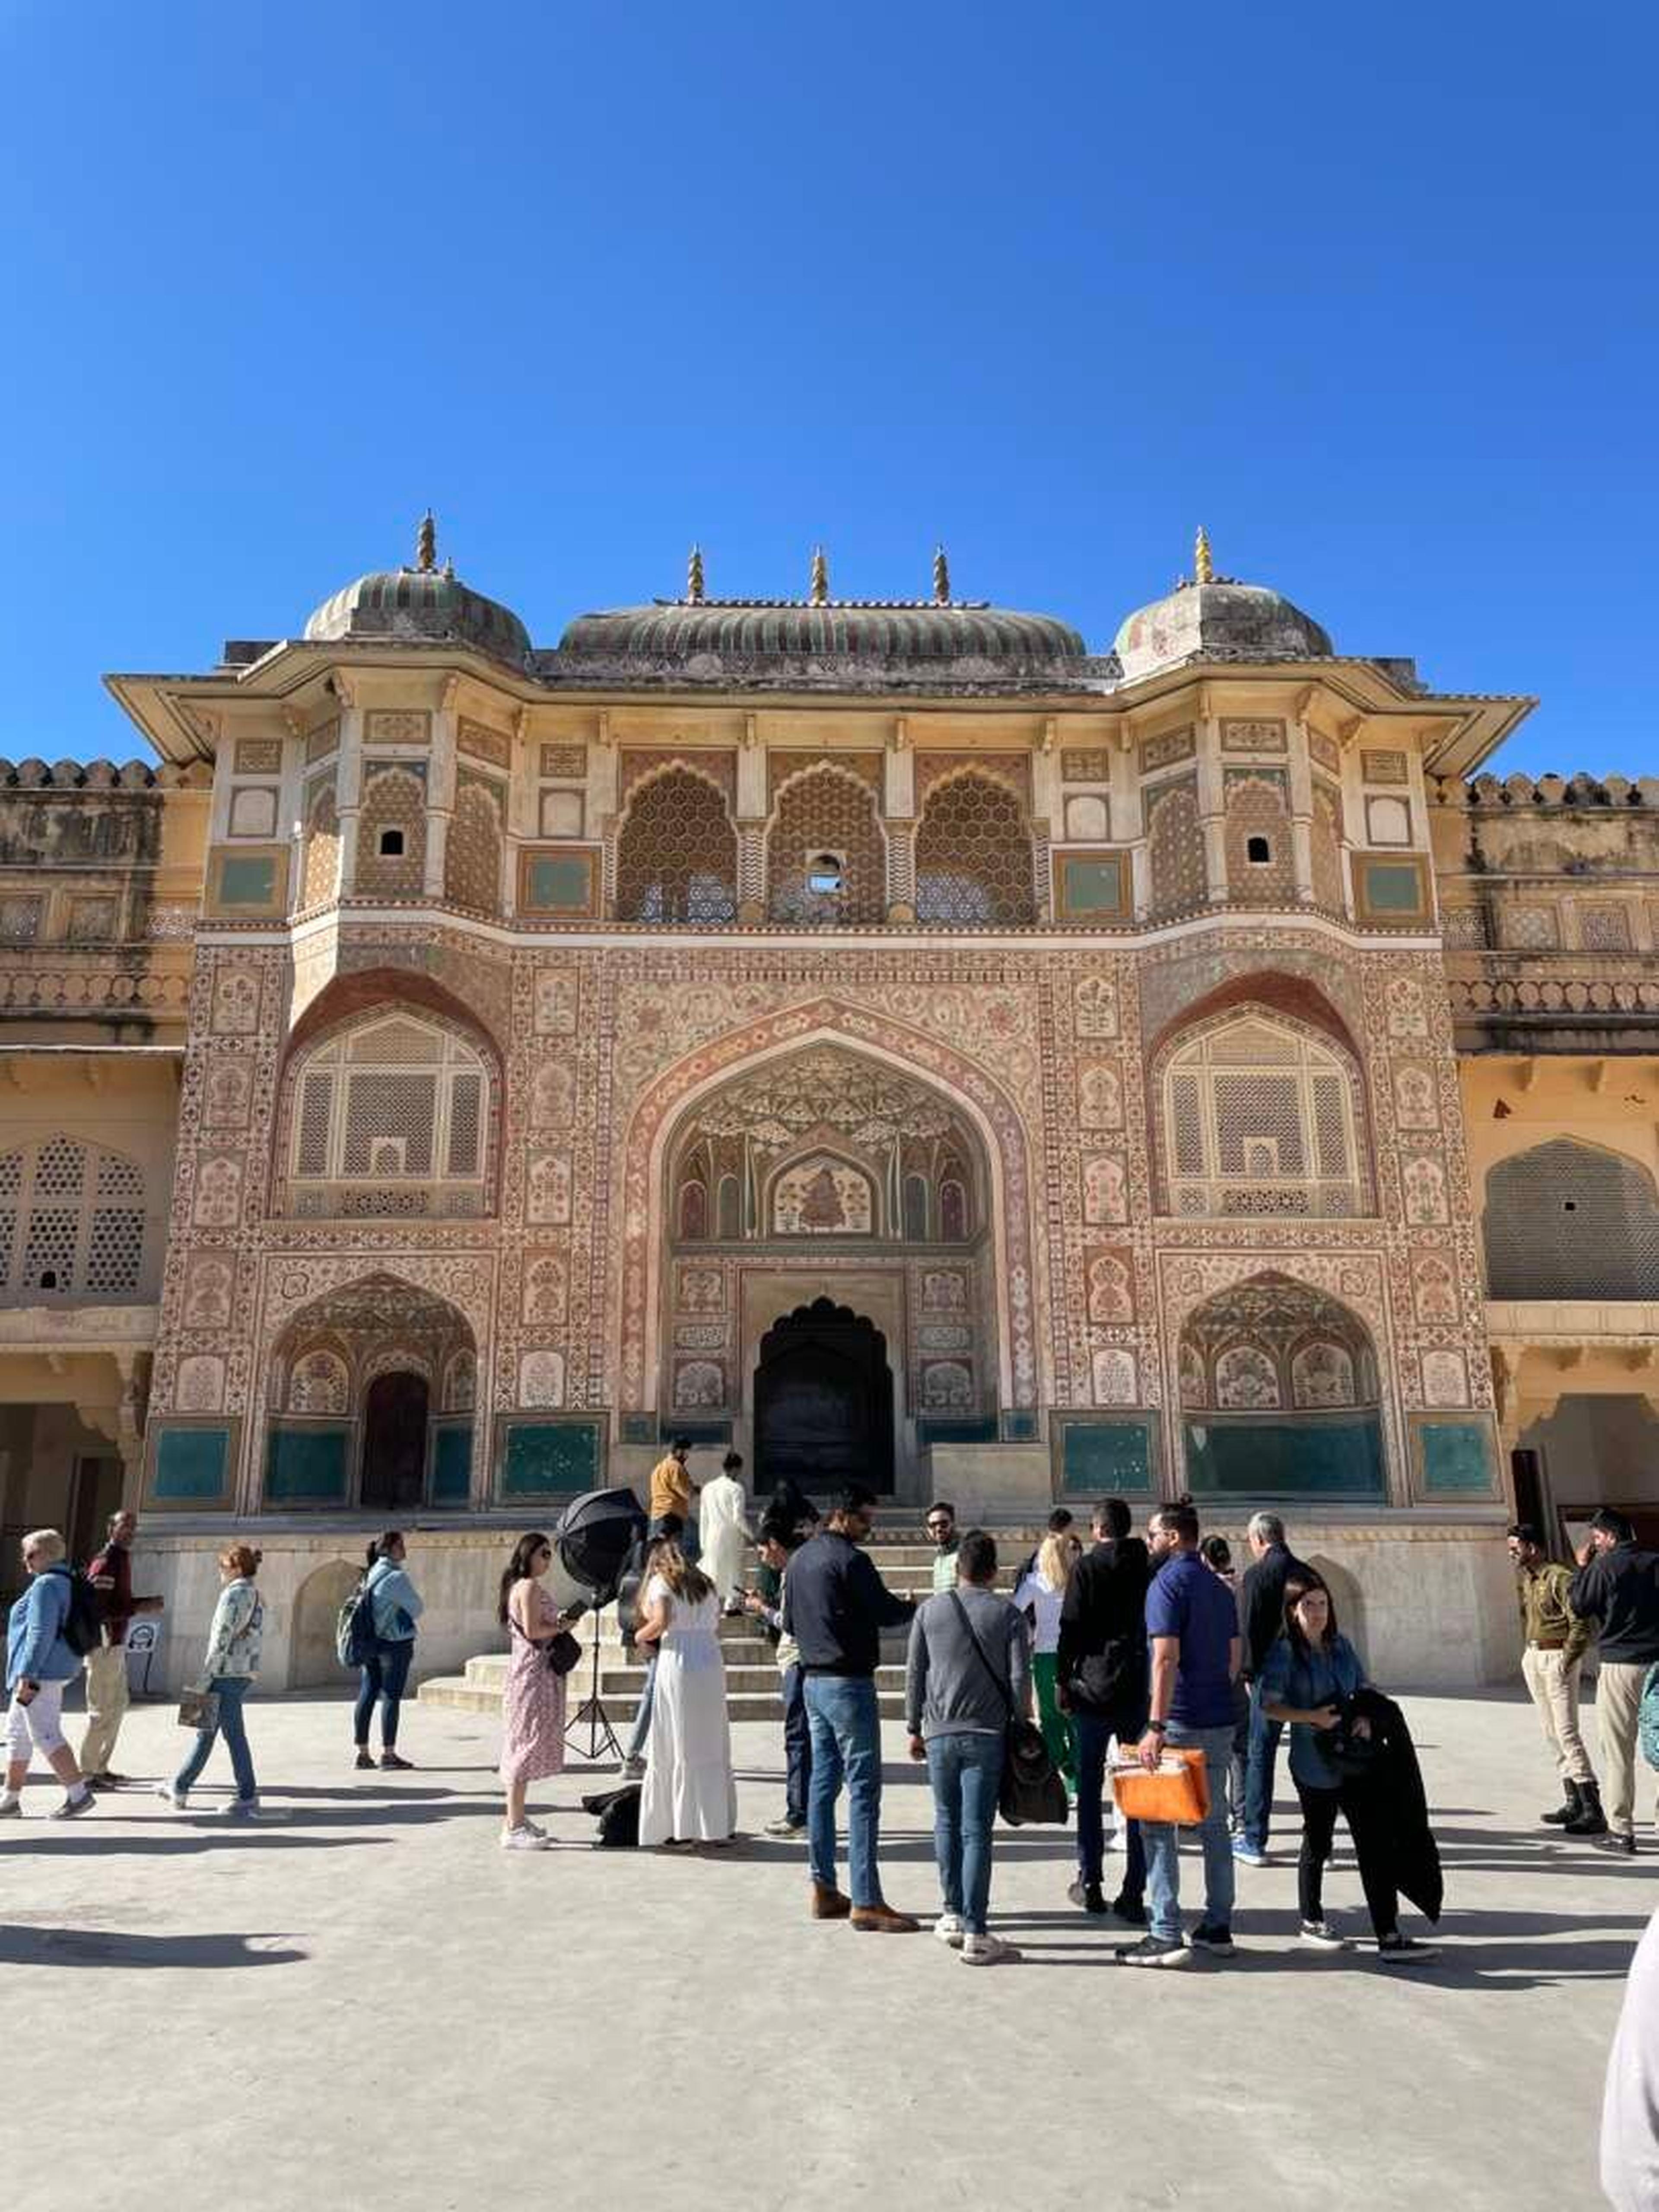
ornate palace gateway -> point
(884, 1035)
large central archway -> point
(824, 1401)
(830, 1171)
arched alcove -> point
(1280, 1395)
(312, 1661)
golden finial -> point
(426, 545)
(1203, 565)
(693, 577)
(941, 577)
(820, 594)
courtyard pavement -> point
(366, 2003)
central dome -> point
(889, 630)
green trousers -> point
(1056, 1728)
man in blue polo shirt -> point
(1192, 1629)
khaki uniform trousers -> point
(1552, 1686)
(106, 1703)
(1618, 1705)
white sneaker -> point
(523, 1839)
(11, 1808)
(535, 1828)
(988, 1951)
(176, 1798)
(1322, 1936)
(948, 1927)
(73, 1806)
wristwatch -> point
(1157, 1728)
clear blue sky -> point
(1369, 291)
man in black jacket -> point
(835, 1606)
(1617, 1587)
(1100, 1676)
(1261, 1602)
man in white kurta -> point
(723, 1526)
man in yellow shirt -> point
(673, 1492)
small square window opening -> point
(825, 875)
(392, 844)
(1258, 852)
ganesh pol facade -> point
(891, 1036)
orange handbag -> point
(1177, 1789)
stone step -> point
(487, 1672)
(457, 1694)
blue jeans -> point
(231, 1689)
(386, 1676)
(797, 1747)
(1259, 1773)
(1093, 1736)
(636, 1742)
(965, 1769)
(846, 1737)
(1162, 1840)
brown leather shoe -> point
(883, 1920)
(828, 1903)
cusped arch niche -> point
(823, 1143)
(1280, 1393)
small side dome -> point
(425, 606)
(1211, 617)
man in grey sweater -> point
(969, 1669)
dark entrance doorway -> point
(824, 1401)
(394, 1441)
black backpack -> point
(84, 1623)
(618, 1815)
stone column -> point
(350, 792)
(1213, 807)
(441, 791)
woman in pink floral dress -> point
(532, 1705)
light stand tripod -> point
(590, 1714)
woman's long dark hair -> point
(518, 1566)
(382, 1545)
(1296, 1588)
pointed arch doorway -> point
(824, 1401)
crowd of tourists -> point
(1125, 1649)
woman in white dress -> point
(689, 1796)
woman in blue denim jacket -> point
(1309, 1675)
(39, 1668)
(396, 1604)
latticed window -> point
(974, 856)
(472, 856)
(322, 863)
(1325, 844)
(826, 860)
(676, 855)
(1261, 866)
(395, 1102)
(71, 1222)
(1259, 1119)
(1175, 847)
(1567, 1220)
(392, 834)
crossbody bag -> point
(1031, 1790)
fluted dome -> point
(424, 604)
(1218, 620)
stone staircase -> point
(905, 1563)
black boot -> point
(1566, 1814)
(1590, 1819)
